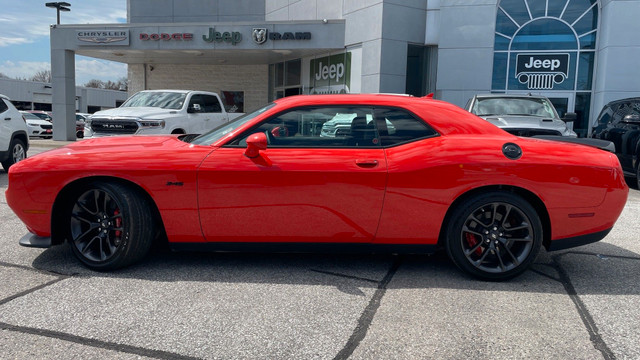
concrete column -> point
(83, 106)
(63, 86)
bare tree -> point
(123, 84)
(95, 83)
(110, 85)
(42, 76)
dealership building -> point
(580, 53)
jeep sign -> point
(330, 74)
(542, 71)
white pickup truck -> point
(162, 112)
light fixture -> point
(59, 6)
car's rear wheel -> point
(638, 175)
(494, 236)
(17, 152)
(110, 226)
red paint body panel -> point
(331, 195)
(292, 195)
(149, 162)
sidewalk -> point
(49, 143)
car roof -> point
(631, 99)
(445, 117)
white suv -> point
(14, 141)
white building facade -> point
(580, 53)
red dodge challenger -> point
(371, 172)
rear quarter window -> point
(398, 126)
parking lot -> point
(582, 303)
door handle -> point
(7, 118)
(366, 162)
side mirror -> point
(255, 143)
(569, 117)
(631, 118)
(194, 108)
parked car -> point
(37, 127)
(14, 141)
(445, 178)
(44, 115)
(522, 115)
(82, 121)
(619, 122)
(163, 112)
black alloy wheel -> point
(110, 226)
(638, 174)
(17, 152)
(494, 236)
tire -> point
(494, 236)
(110, 226)
(17, 152)
(638, 175)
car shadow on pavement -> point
(599, 268)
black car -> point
(619, 122)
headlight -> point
(152, 124)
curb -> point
(47, 143)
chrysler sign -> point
(103, 37)
(542, 71)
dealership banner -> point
(330, 74)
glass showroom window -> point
(285, 79)
(547, 46)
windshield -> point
(29, 116)
(161, 99)
(217, 133)
(514, 106)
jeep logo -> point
(333, 71)
(542, 71)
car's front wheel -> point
(110, 226)
(17, 152)
(494, 236)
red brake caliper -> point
(472, 241)
(118, 223)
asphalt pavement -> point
(582, 303)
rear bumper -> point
(566, 243)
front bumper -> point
(33, 240)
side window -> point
(3, 106)
(624, 109)
(398, 126)
(605, 116)
(321, 127)
(211, 104)
(196, 104)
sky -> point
(24, 37)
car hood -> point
(142, 112)
(37, 122)
(528, 122)
(121, 153)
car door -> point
(5, 125)
(302, 188)
(204, 114)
